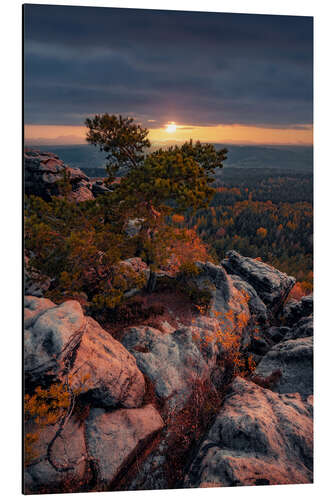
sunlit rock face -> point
(60, 340)
(43, 172)
(259, 437)
(166, 390)
(173, 362)
(67, 463)
(271, 285)
(115, 439)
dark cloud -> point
(196, 68)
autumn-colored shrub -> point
(184, 250)
(44, 407)
(48, 406)
(299, 290)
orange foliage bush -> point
(178, 219)
(228, 335)
(299, 290)
(46, 407)
(187, 248)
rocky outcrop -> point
(143, 404)
(116, 439)
(62, 341)
(44, 171)
(271, 285)
(294, 358)
(258, 438)
(228, 304)
(303, 328)
(67, 463)
(34, 307)
(257, 307)
(98, 188)
(277, 333)
(295, 310)
(175, 362)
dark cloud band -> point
(193, 68)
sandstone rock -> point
(271, 285)
(49, 336)
(228, 304)
(258, 437)
(82, 192)
(257, 307)
(113, 378)
(277, 333)
(295, 360)
(133, 227)
(173, 362)
(116, 439)
(43, 171)
(68, 452)
(295, 310)
(303, 328)
(34, 307)
(98, 188)
(62, 340)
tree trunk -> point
(151, 282)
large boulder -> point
(303, 328)
(113, 378)
(61, 342)
(116, 439)
(175, 362)
(227, 304)
(34, 307)
(65, 468)
(295, 310)
(258, 438)
(48, 337)
(271, 285)
(294, 360)
(98, 188)
(277, 333)
(43, 172)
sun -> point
(171, 127)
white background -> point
(10, 260)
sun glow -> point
(171, 127)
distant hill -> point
(293, 158)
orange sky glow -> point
(228, 134)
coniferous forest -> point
(266, 214)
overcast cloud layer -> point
(193, 68)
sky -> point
(222, 78)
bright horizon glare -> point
(171, 127)
(227, 134)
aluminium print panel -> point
(168, 233)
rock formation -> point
(165, 392)
(258, 438)
(44, 171)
